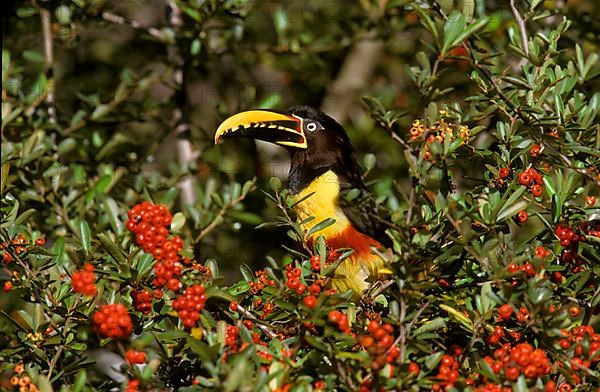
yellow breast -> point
(322, 204)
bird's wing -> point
(363, 211)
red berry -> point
(524, 178)
(310, 301)
(414, 368)
(503, 172)
(522, 216)
(536, 190)
(505, 311)
(233, 306)
(590, 201)
(574, 311)
(293, 283)
(314, 289)
(512, 373)
(135, 357)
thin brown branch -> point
(45, 16)
(522, 27)
(220, 215)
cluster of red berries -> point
(263, 281)
(22, 380)
(541, 252)
(293, 279)
(535, 150)
(135, 357)
(505, 312)
(496, 335)
(572, 260)
(150, 224)
(133, 385)
(527, 268)
(83, 281)
(523, 358)
(293, 275)
(315, 263)
(190, 304)
(142, 301)
(18, 245)
(567, 235)
(491, 387)
(340, 319)
(112, 321)
(379, 344)
(231, 337)
(532, 179)
(584, 344)
(447, 374)
(267, 308)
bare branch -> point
(49, 54)
(522, 27)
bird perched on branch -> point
(325, 179)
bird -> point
(325, 181)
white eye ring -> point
(311, 126)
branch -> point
(522, 27)
(45, 17)
(219, 218)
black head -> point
(316, 142)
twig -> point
(522, 27)
(63, 346)
(291, 222)
(411, 205)
(381, 288)
(474, 337)
(49, 54)
(258, 323)
(219, 218)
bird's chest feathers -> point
(320, 202)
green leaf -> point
(178, 222)
(557, 206)
(103, 185)
(320, 226)
(275, 184)
(433, 325)
(84, 234)
(453, 29)
(521, 385)
(80, 380)
(511, 210)
(550, 187)
(431, 361)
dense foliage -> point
(123, 226)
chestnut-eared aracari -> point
(326, 177)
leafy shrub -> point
(495, 229)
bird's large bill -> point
(265, 125)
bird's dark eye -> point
(312, 126)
